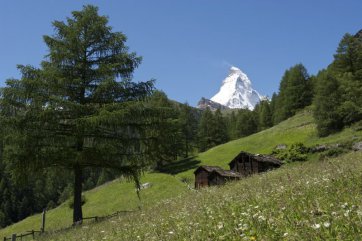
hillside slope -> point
(120, 195)
(299, 128)
(315, 200)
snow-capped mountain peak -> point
(236, 91)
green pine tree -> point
(327, 100)
(219, 129)
(204, 131)
(189, 123)
(246, 123)
(295, 92)
(264, 115)
(80, 109)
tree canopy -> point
(80, 108)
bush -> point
(333, 152)
(296, 152)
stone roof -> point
(259, 158)
(225, 173)
(209, 168)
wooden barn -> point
(213, 175)
(246, 163)
(202, 174)
(220, 177)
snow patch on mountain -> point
(236, 91)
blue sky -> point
(187, 45)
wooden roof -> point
(208, 168)
(259, 158)
(225, 173)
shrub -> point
(296, 152)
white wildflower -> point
(220, 225)
(316, 226)
(334, 213)
(171, 232)
(327, 224)
(285, 234)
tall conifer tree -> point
(295, 92)
(80, 109)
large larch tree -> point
(80, 108)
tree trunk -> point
(77, 207)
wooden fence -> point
(15, 237)
(20, 236)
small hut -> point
(220, 177)
(202, 174)
(246, 163)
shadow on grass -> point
(180, 166)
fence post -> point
(13, 237)
(43, 221)
(5, 238)
(32, 232)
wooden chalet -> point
(246, 163)
(220, 177)
(213, 175)
(202, 174)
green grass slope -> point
(299, 128)
(104, 200)
(315, 200)
(121, 195)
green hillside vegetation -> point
(121, 195)
(299, 129)
(316, 200)
(118, 195)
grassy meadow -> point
(300, 201)
(316, 200)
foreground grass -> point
(317, 200)
(118, 195)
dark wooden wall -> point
(215, 180)
(201, 179)
(246, 165)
